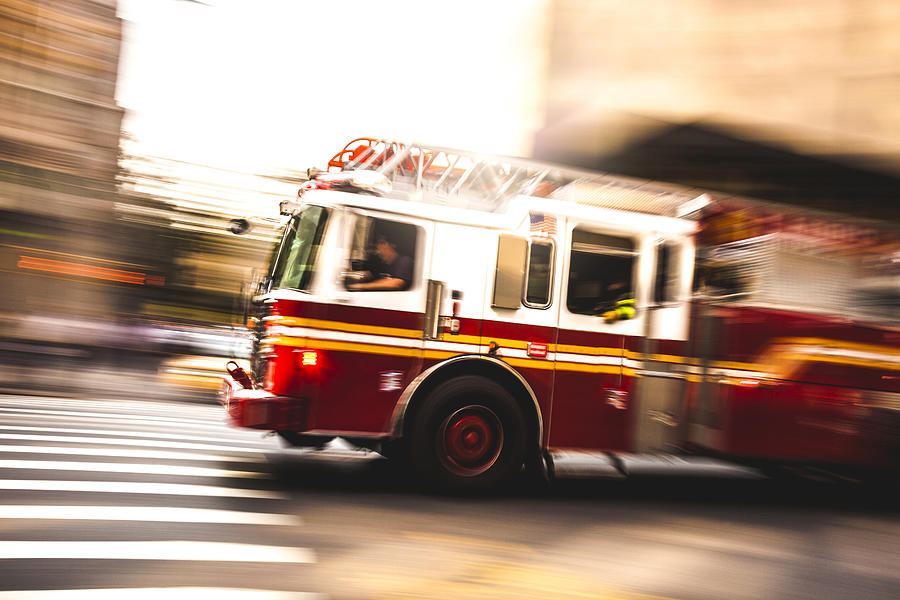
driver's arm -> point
(385, 283)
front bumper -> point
(259, 409)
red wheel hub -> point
(470, 440)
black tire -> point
(469, 434)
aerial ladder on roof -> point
(474, 180)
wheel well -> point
(492, 371)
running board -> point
(585, 463)
(576, 464)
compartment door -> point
(657, 359)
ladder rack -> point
(484, 182)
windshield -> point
(296, 258)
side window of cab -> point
(601, 270)
(382, 256)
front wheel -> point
(470, 433)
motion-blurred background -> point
(131, 132)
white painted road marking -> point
(129, 453)
(112, 441)
(156, 550)
(169, 593)
(117, 416)
(131, 487)
(9, 414)
(137, 434)
(114, 467)
(165, 514)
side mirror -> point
(287, 207)
(239, 226)
(264, 285)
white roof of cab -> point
(511, 217)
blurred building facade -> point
(778, 100)
(59, 143)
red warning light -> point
(309, 358)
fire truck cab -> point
(476, 315)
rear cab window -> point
(601, 272)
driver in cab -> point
(396, 269)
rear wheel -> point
(470, 433)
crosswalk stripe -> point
(136, 487)
(220, 426)
(145, 469)
(137, 434)
(151, 408)
(169, 593)
(129, 453)
(114, 441)
(165, 514)
(157, 550)
(211, 423)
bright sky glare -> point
(256, 86)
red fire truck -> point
(478, 315)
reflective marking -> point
(669, 358)
(165, 514)
(736, 373)
(451, 346)
(111, 441)
(450, 343)
(443, 354)
(134, 487)
(841, 345)
(343, 327)
(588, 350)
(138, 434)
(531, 363)
(174, 550)
(128, 453)
(589, 360)
(104, 467)
(345, 336)
(169, 593)
(839, 355)
(345, 347)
